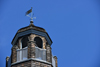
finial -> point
(31, 17)
(31, 22)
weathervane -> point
(30, 11)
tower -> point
(31, 47)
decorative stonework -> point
(31, 37)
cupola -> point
(31, 47)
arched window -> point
(38, 41)
(24, 41)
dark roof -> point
(31, 26)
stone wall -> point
(31, 53)
(14, 53)
(31, 49)
(24, 64)
(32, 63)
(40, 64)
(48, 54)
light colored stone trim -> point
(43, 39)
(32, 59)
(20, 44)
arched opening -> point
(24, 41)
(38, 41)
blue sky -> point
(73, 25)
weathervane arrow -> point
(28, 12)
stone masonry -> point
(56, 61)
(31, 32)
(48, 53)
(14, 53)
(31, 49)
(32, 63)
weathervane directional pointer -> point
(30, 11)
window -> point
(38, 41)
(24, 41)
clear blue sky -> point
(73, 25)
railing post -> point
(55, 61)
(7, 58)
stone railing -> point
(22, 54)
(40, 53)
